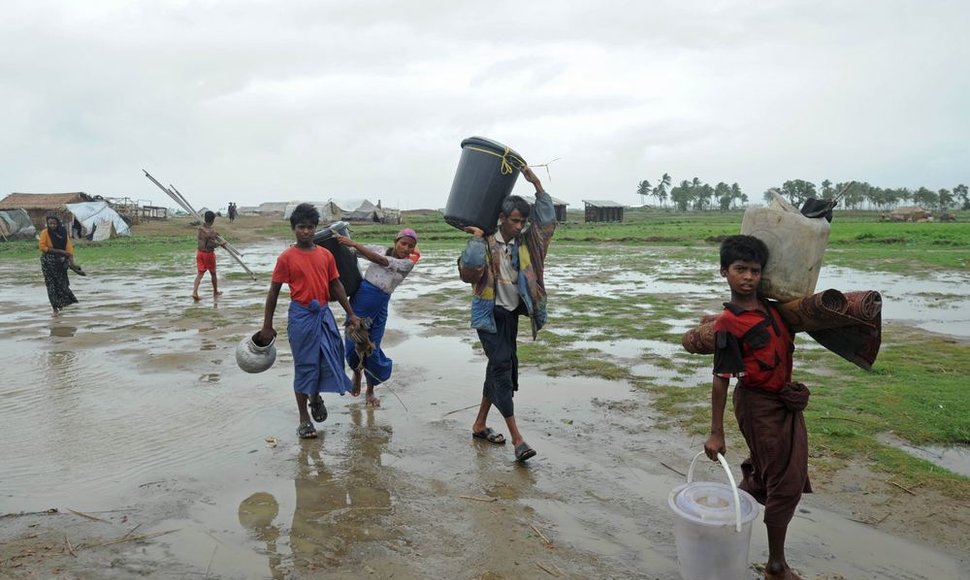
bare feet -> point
(55, 313)
(355, 389)
(196, 297)
(372, 401)
(780, 573)
(217, 293)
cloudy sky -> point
(251, 101)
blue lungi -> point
(371, 302)
(318, 350)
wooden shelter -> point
(603, 211)
(559, 204)
(40, 205)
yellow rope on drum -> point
(506, 167)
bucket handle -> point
(734, 488)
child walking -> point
(318, 351)
(753, 344)
(388, 268)
(205, 255)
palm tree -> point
(643, 190)
(660, 191)
(945, 199)
(736, 193)
(827, 191)
(961, 192)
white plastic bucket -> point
(713, 526)
(796, 246)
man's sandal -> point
(490, 435)
(523, 452)
(317, 409)
(306, 431)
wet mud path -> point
(129, 408)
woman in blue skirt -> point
(388, 268)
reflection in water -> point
(63, 331)
(339, 506)
(256, 514)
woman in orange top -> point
(56, 257)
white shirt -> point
(507, 281)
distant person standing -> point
(232, 211)
(505, 270)
(56, 257)
(205, 255)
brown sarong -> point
(776, 473)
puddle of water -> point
(142, 399)
(952, 458)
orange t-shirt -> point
(307, 272)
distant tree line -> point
(693, 194)
(699, 196)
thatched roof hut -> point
(40, 205)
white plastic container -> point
(796, 246)
(713, 527)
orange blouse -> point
(46, 245)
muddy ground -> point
(134, 446)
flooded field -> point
(129, 410)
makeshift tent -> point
(15, 224)
(98, 221)
(329, 211)
(41, 205)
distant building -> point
(40, 205)
(603, 211)
(559, 204)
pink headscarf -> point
(407, 232)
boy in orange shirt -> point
(318, 349)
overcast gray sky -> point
(252, 101)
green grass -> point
(916, 392)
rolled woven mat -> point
(866, 305)
(859, 313)
(700, 340)
(859, 344)
(823, 310)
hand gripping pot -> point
(253, 358)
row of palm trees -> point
(866, 196)
(697, 195)
(693, 194)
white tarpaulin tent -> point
(99, 218)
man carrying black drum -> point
(505, 271)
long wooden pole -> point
(229, 247)
(177, 196)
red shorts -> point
(205, 261)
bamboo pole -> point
(177, 196)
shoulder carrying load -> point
(346, 261)
(486, 175)
(796, 246)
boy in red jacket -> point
(753, 344)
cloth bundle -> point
(848, 324)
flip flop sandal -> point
(490, 435)
(523, 452)
(317, 409)
(306, 431)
